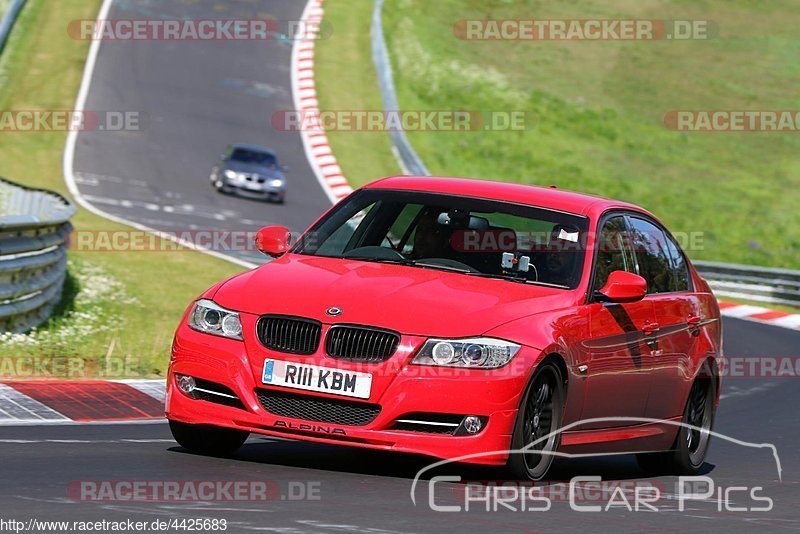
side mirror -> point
(273, 240)
(284, 168)
(623, 286)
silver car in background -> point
(250, 171)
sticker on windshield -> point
(568, 236)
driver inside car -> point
(559, 256)
(431, 239)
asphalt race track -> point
(158, 176)
(318, 488)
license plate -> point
(314, 378)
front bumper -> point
(492, 395)
(263, 191)
(252, 189)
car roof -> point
(254, 148)
(532, 195)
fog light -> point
(472, 424)
(186, 383)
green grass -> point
(598, 110)
(117, 305)
(346, 80)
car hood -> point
(267, 172)
(409, 300)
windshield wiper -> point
(398, 261)
(520, 280)
(440, 266)
(508, 277)
(453, 269)
(411, 263)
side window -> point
(649, 245)
(613, 253)
(680, 271)
(337, 243)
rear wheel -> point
(206, 439)
(691, 446)
(537, 422)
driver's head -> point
(560, 258)
(431, 239)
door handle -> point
(650, 328)
(694, 324)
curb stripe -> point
(155, 388)
(92, 400)
(16, 407)
(322, 162)
(760, 314)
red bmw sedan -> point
(496, 323)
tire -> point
(539, 416)
(691, 446)
(209, 440)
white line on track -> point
(69, 158)
(85, 441)
(69, 422)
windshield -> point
(470, 236)
(242, 155)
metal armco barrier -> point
(34, 232)
(7, 20)
(761, 284)
(406, 156)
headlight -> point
(479, 352)
(277, 182)
(210, 318)
(231, 174)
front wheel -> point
(694, 437)
(536, 433)
(213, 441)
